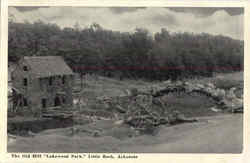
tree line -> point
(137, 54)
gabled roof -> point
(45, 66)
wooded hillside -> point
(140, 54)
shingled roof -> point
(45, 66)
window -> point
(25, 81)
(50, 81)
(40, 83)
(25, 102)
(63, 100)
(63, 80)
(44, 103)
(57, 101)
(25, 68)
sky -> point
(216, 21)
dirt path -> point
(217, 134)
(223, 134)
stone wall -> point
(39, 88)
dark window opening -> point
(44, 103)
(63, 100)
(40, 83)
(25, 81)
(25, 102)
(63, 80)
(20, 103)
(57, 101)
(50, 81)
(25, 68)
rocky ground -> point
(113, 116)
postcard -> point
(86, 81)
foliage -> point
(140, 54)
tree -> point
(138, 54)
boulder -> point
(209, 90)
(231, 95)
(167, 82)
(119, 122)
(221, 93)
(199, 86)
(214, 109)
(210, 85)
(189, 87)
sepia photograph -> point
(125, 79)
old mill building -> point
(42, 82)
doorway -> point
(57, 101)
(44, 103)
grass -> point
(235, 77)
(189, 105)
(109, 86)
(226, 83)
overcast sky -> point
(224, 21)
